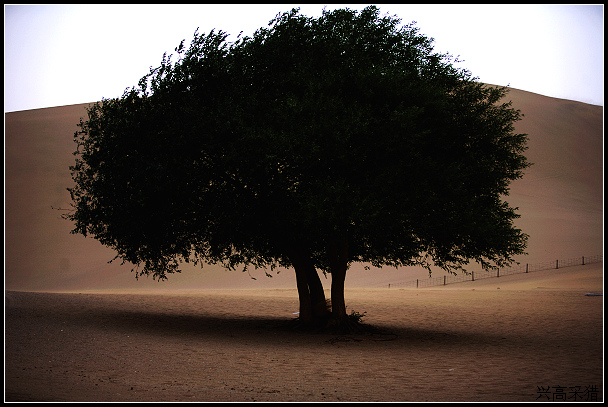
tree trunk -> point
(338, 263)
(317, 295)
(313, 305)
(305, 315)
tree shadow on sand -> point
(260, 329)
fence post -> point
(443, 280)
(556, 264)
(473, 275)
(389, 285)
(583, 260)
(526, 267)
(416, 283)
(498, 273)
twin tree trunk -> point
(313, 305)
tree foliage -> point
(317, 142)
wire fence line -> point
(522, 268)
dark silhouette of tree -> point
(315, 143)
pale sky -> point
(57, 55)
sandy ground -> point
(496, 339)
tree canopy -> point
(314, 143)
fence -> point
(472, 276)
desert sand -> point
(496, 339)
(80, 329)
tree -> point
(315, 143)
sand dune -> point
(79, 329)
(560, 200)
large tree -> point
(315, 143)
